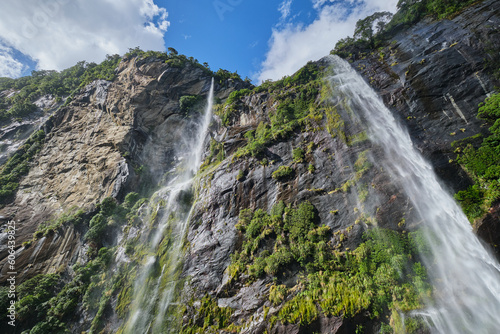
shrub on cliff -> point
(483, 164)
(282, 173)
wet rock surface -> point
(433, 77)
(488, 228)
(213, 237)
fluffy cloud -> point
(9, 67)
(58, 33)
(291, 46)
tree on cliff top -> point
(368, 27)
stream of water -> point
(155, 288)
(465, 275)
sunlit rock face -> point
(95, 147)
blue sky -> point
(258, 39)
(234, 37)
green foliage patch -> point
(283, 173)
(189, 103)
(216, 155)
(47, 302)
(74, 216)
(111, 213)
(482, 164)
(297, 107)
(298, 155)
(209, 318)
(382, 274)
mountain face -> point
(289, 225)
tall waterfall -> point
(466, 277)
(155, 287)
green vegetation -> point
(380, 276)
(189, 103)
(446, 8)
(110, 213)
(18, 166)
(364, 27)
(231, 104)
(235, 96)
(298, 155)
(33, 297)
(241, 176)
(297, 108)
(209, 318)
(46, 302)
(174, 59)
(215, 156)
(222, 76)
(294, 231)
(335, 125)
(67, 82)
(59, 84)
(311, 168)
(482, 164)
(49, 227)
(283, 173)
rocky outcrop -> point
(341, 171)
(488, 228)
(433, 76)
(13, 135)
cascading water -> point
(465, 275)
(155, 287)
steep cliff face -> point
(280, 233)
(334, 173)
(96, 147)
(432, 76)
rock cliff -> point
(96, 146)
(432, 76)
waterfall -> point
(155, 288)
(465, 276)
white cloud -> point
(58, 33)
(293, 45)
(285, 8)
(9, 67)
